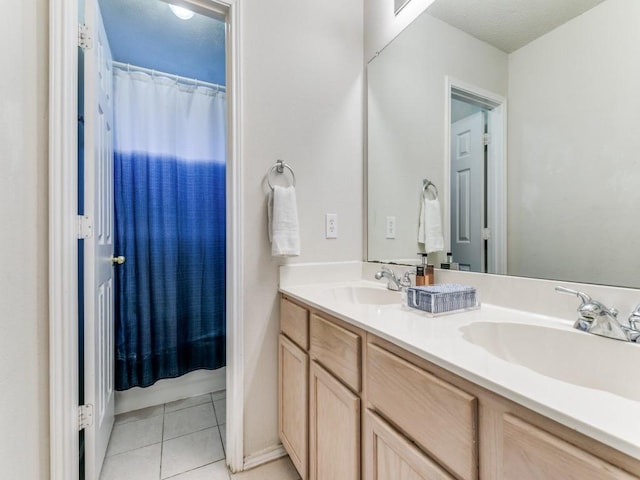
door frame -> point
(497, 176)
(63, 237)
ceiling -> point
(147, 34)
(508, 24)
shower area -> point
(169, 191)
(161, 132)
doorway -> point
(67, 227)
(154, 184)
(475, 164)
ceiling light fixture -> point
(181, 12)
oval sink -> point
(570, 356)
(363, 295)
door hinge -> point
(486, 139)
(486, 234)
(85, 227)
(85, 416)
(84, 37)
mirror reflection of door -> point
(476, 169)
(468, 164)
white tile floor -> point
(182, 440)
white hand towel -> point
(430, 226)
(282, 213)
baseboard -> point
(264, 456)
(171, 389)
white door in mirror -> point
(467, 191)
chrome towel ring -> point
(425, 187)
(278, 168)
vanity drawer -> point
(294, 322)
(530, 453)
(439, 417)
(337, 349)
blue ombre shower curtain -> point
(169, 142)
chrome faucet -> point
(634, 325)
(598, 319)
(393, 282)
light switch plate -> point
(390, 227)
(331, 225)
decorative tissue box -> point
(442, 298)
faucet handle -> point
(406, 279)
(589, 308)
(634, 318)
(581, 295)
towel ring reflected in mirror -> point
(425, 188)
(278, 168)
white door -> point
(496, 192)
(467, 192)
(98, 249)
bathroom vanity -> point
(378, 391)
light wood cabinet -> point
(438, 416)
(334, 417)
(294, 323)
(530, 453)
(420, 421)
(319, 402)
(293, 387)
(390, 456)
(337, 349)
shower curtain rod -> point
(177, 78)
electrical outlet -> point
(331, 225)
(390, 227)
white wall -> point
(303, 100)
(382, 25)
(302, 74)
(24, 375)
(406, 111)
(573, 138)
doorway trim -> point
(63, 237)
(497, 177)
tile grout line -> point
(215, 416)
(224, 450)
(193, 469)
(215, 412)
(133, 450)
(164, 408)
(190, 433)
(189, 406)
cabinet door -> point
(533, 454)
(293, 376)
(390, 456)
(438, 416)
(334, 417)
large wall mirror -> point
(547, 95)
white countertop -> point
(611, 419)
